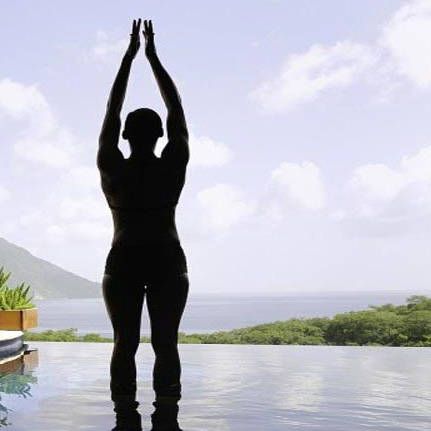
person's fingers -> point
(133, 26)
(138, 27)
(145, 26)
(151, 27)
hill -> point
(47, 281)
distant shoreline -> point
(273, 295)
(406, 325)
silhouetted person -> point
(146, 256)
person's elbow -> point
(186, 155)
(100, 161)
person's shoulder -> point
(176, 152)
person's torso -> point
(143, 197)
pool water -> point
(228, 387)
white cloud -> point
(71, 209)
(205, 151)
(55, 149)
(31, 219)
(82, 176)
(224, 205)
(401, 50)
(106, 48)
(4, 194)
(25, 102)
(17, 99)
(384, 194)
(407, 37)
(41, 139)
(86, 207)
(305, 76)
(300, 184)
(55, 233)
(418, 166)
(377, 181)
(380, 182)
(79, 230)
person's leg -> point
(124, 299)
(166, 300)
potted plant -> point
(17, 312)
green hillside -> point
(47, 280)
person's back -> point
(146, 257)
(143, 197)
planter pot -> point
(18, 320)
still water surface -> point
(233, 388)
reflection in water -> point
(16, 379)
(239, 388)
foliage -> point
(69, 334)
(366, 328)
(385, 325)
(16, 298)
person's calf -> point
(128, 421)
(126, 415)
(165, 415)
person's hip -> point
(146, 261)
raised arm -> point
(177, 149)
(109, 155)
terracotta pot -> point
(18, 320)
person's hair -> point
(143, 123)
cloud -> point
(300, 185)
(55, 149)
(106, 48)
(86, 207)
(382, 183)
(382, 194)
(71, 208)
(407, 37)
(291, 187)
(205, 151)
(401, 51)
(377, 182)
(4, 194)
(79, 230)
(68, 217)
(82, 176)
(42, 139)
(223, 206)
(25, 102)
(305, 76)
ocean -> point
(208, 313)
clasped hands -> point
(135, 42)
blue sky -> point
(310, 137)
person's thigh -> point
(166, 300)
(124, 300)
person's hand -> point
(150, 48)
(135, 43)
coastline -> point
(407, 325)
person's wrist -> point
(151, 55)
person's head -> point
(142, 128)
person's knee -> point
(126, 342)
(164, 344)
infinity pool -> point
(230, 388)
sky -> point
(310, 137)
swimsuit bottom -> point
(146, 262)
